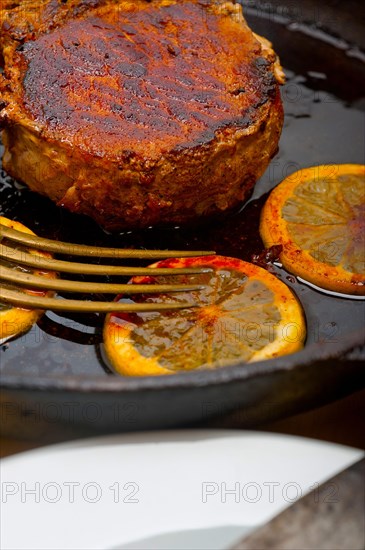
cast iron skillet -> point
(56, 373)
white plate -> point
(142, 490)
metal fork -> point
(15, 256)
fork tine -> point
(82, 250)
(20, 299)
(29, 299)
(39, 282)
(20, 257)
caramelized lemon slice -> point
(318, 216)
(14, 320)
(245, 314)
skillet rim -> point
(194, 379)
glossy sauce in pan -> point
(324, 103)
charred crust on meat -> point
(179, 98)
(156, 104)
(238, 91)
(172, 50)
(262, 62)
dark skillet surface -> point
(61, 358)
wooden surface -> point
(330, 518)
(340, 422)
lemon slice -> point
(14, 320)
(318, 216)
(245, 314)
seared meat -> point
(138, 112)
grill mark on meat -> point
(105, 67)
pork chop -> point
(138, 112)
